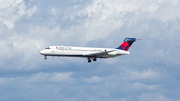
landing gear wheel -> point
(94, 59)
(89, 60)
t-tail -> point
(126, 44)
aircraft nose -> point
(42, 52)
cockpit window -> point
(48, 48)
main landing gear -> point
(94, 59)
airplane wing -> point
(98, 54)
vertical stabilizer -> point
(126, 44)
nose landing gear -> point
(45, 57)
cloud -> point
(150, 72)
(104, 16)
(94, 79)
(12, 10)
(40, 78)
(140, 86)
(155, 97)
(51, 77)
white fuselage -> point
(86, 52)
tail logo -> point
(126, 44)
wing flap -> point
(98, 54)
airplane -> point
(90, 53)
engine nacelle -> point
(112, 53)
(121, 52)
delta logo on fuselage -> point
(63, 48)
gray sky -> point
(149, 73)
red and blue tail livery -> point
(126, 44)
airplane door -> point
(53, 50)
